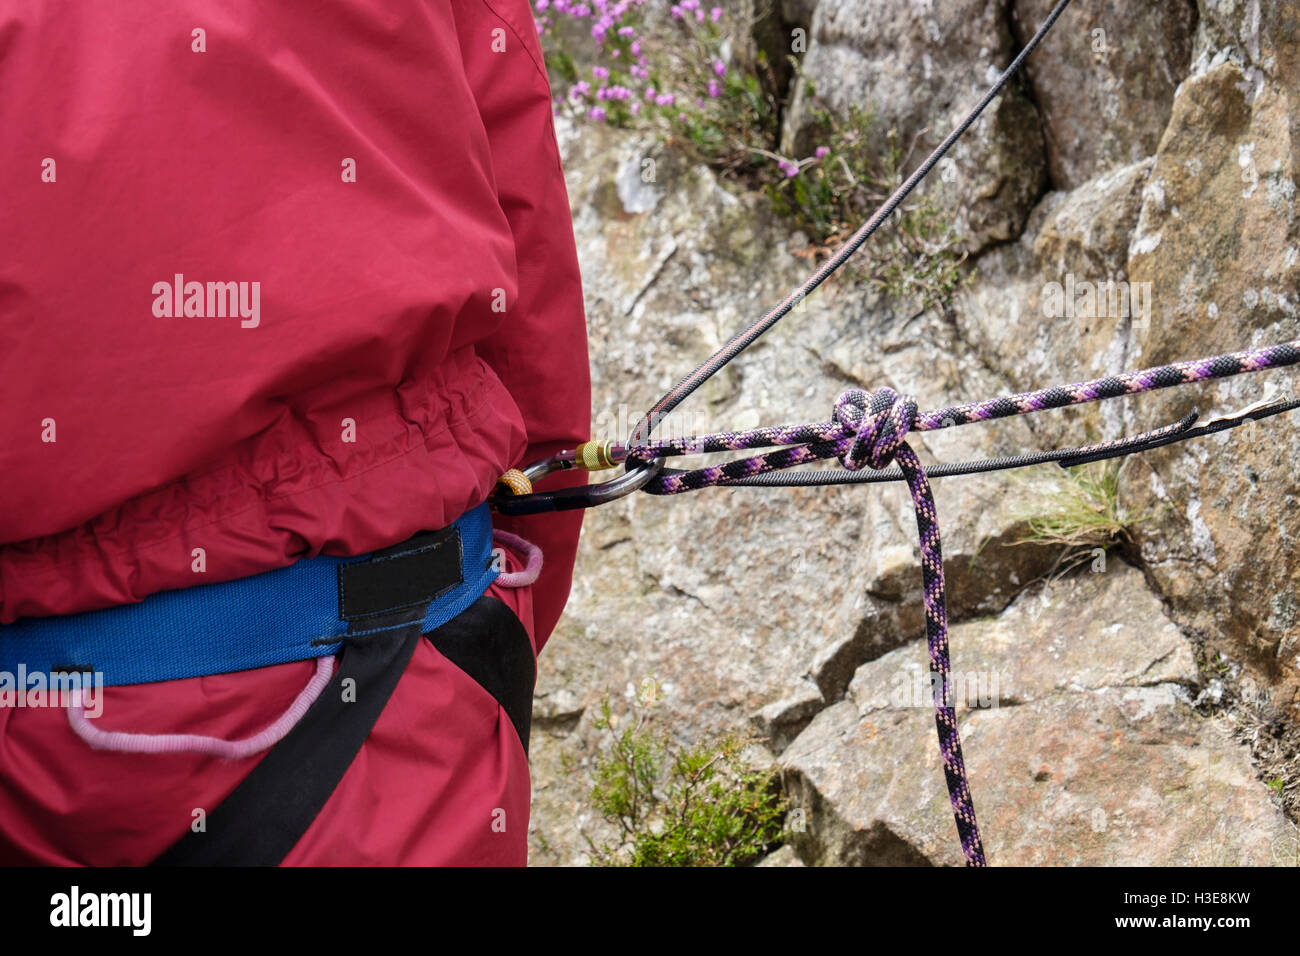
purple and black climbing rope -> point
(849, 430)
(1130, 383)
(868, 430)
(936, 639)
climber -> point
(254, 532)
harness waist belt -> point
(291, 614)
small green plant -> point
(1277, 785)
(1086, 512)
(697, 806)
(919, 256)
(1220, 666)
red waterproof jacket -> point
(276, 280)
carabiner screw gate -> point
(589, 456)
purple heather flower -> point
(719, 68)
(823, 152)
(715, 89)
(715, 14)
(596, 113)
(789, 168)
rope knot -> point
(878, 421)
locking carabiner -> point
(589, 456)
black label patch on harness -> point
(413, 572)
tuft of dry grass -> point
(1087, 510)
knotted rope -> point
(869, 429)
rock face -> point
(917, 66)
(1207, 225)
(1105, 83)
(1081, 746)
(1219, 240)
(794, 615)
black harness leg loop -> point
(266, 815)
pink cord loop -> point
(532, 558)
(124, 742)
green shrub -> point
(697, 806)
